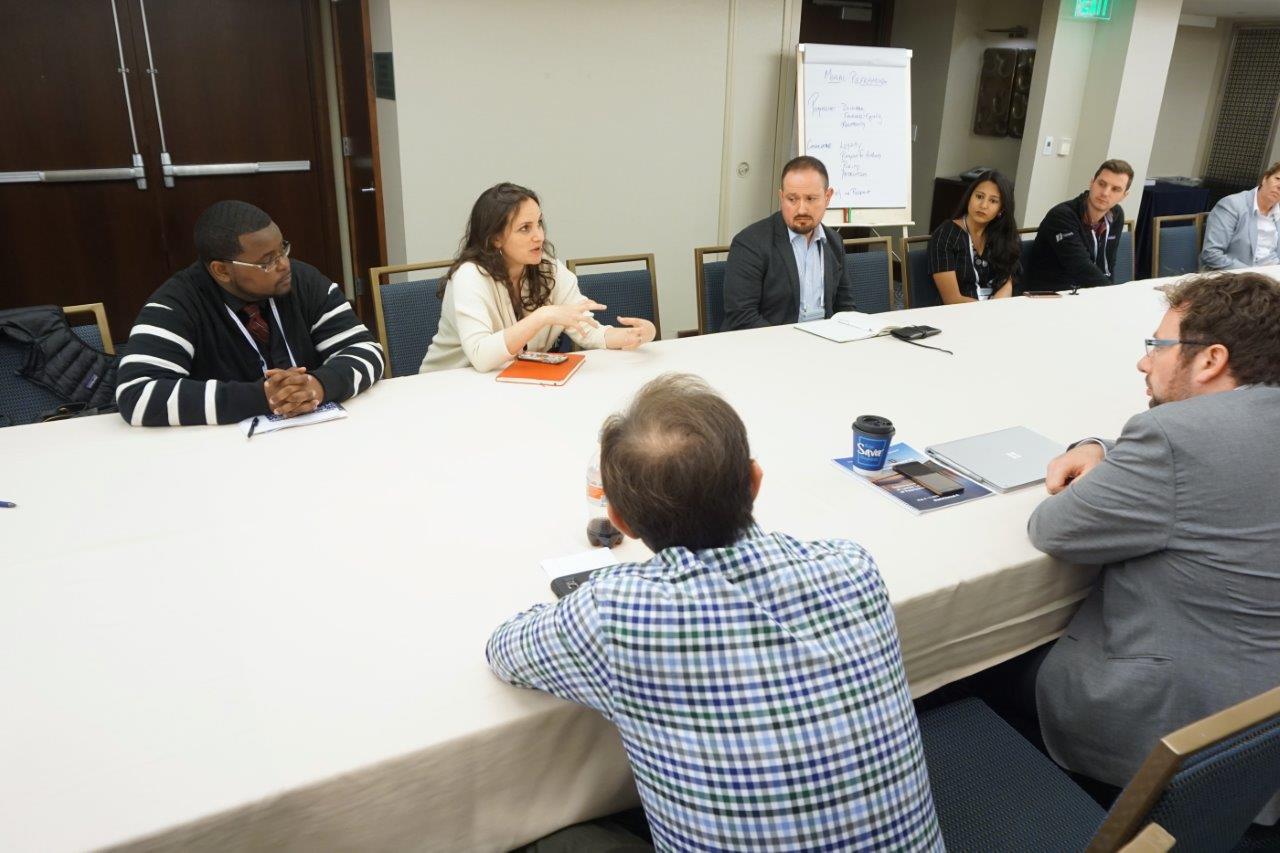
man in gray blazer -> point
(788, 267)
(1181, 513)
(1243, 229)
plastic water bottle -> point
(600, 530)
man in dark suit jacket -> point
(788, 267)
(1077, 240)
(1180, 512)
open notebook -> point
(845, 326)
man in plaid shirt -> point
(756, 679)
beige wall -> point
(1063, 52)
(925, 28)
(346, 275)
(381, 36)
(959, 147)
(623, 116)
(758, 132)
(1189, 104)
(1130, 64)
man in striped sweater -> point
(242, 332)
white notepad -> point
(844, 327)
(271, 423)
(584, 561)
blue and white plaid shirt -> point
(758, 689)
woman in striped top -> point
(975, 256)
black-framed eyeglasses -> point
(267, 265)
(1153, 344)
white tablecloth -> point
(216, 643)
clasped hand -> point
(292, 391)
(1072, 465)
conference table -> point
(211, 642)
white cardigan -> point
(475, 312)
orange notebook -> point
(533, 373)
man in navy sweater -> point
(244, 331)
(1077, 239)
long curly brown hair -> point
(490, 216)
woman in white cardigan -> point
(504, 293)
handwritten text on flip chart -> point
(855, 122)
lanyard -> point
(1106, 235)
(248, 337)
(983, 292)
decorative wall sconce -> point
(1003, 87)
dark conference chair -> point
(710, 279)
(1124, 254)
(1203, 784)
(407, 314)
(870, 273)
(1028, 237)
(627, 293)
(918, 284)
(1176, 243)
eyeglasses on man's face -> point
(1153, 344)
(267, 265)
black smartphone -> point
(1042, 294)
(930, 477)
(566, 584)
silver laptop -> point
(1005, 459)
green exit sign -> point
(1093, 10)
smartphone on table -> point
(930, 477)
(1042, 294)
(543, 357)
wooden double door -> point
(124, 119)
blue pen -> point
(253, 426)
(7, 504)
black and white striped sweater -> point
(189, 361)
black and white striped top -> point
(949, 252)
(189, 361)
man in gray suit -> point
(1181, 513)
(1244, 229)
(788, 267)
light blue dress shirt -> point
(810, 267)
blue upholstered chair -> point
(407, 313)
(870, 273)
(1124, 254)
(21, 401)
(710, 279)
(627, 293)
(1176, 243)
(1204, 784)
(918, 283)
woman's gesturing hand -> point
(630, 333)
(576, 316)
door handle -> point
(368, 189)
(199, 170)
(66, 176)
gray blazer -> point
(1230, 233)
(762, 284)
(1184, 618)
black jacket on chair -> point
(762, 284)
(1064, 255)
